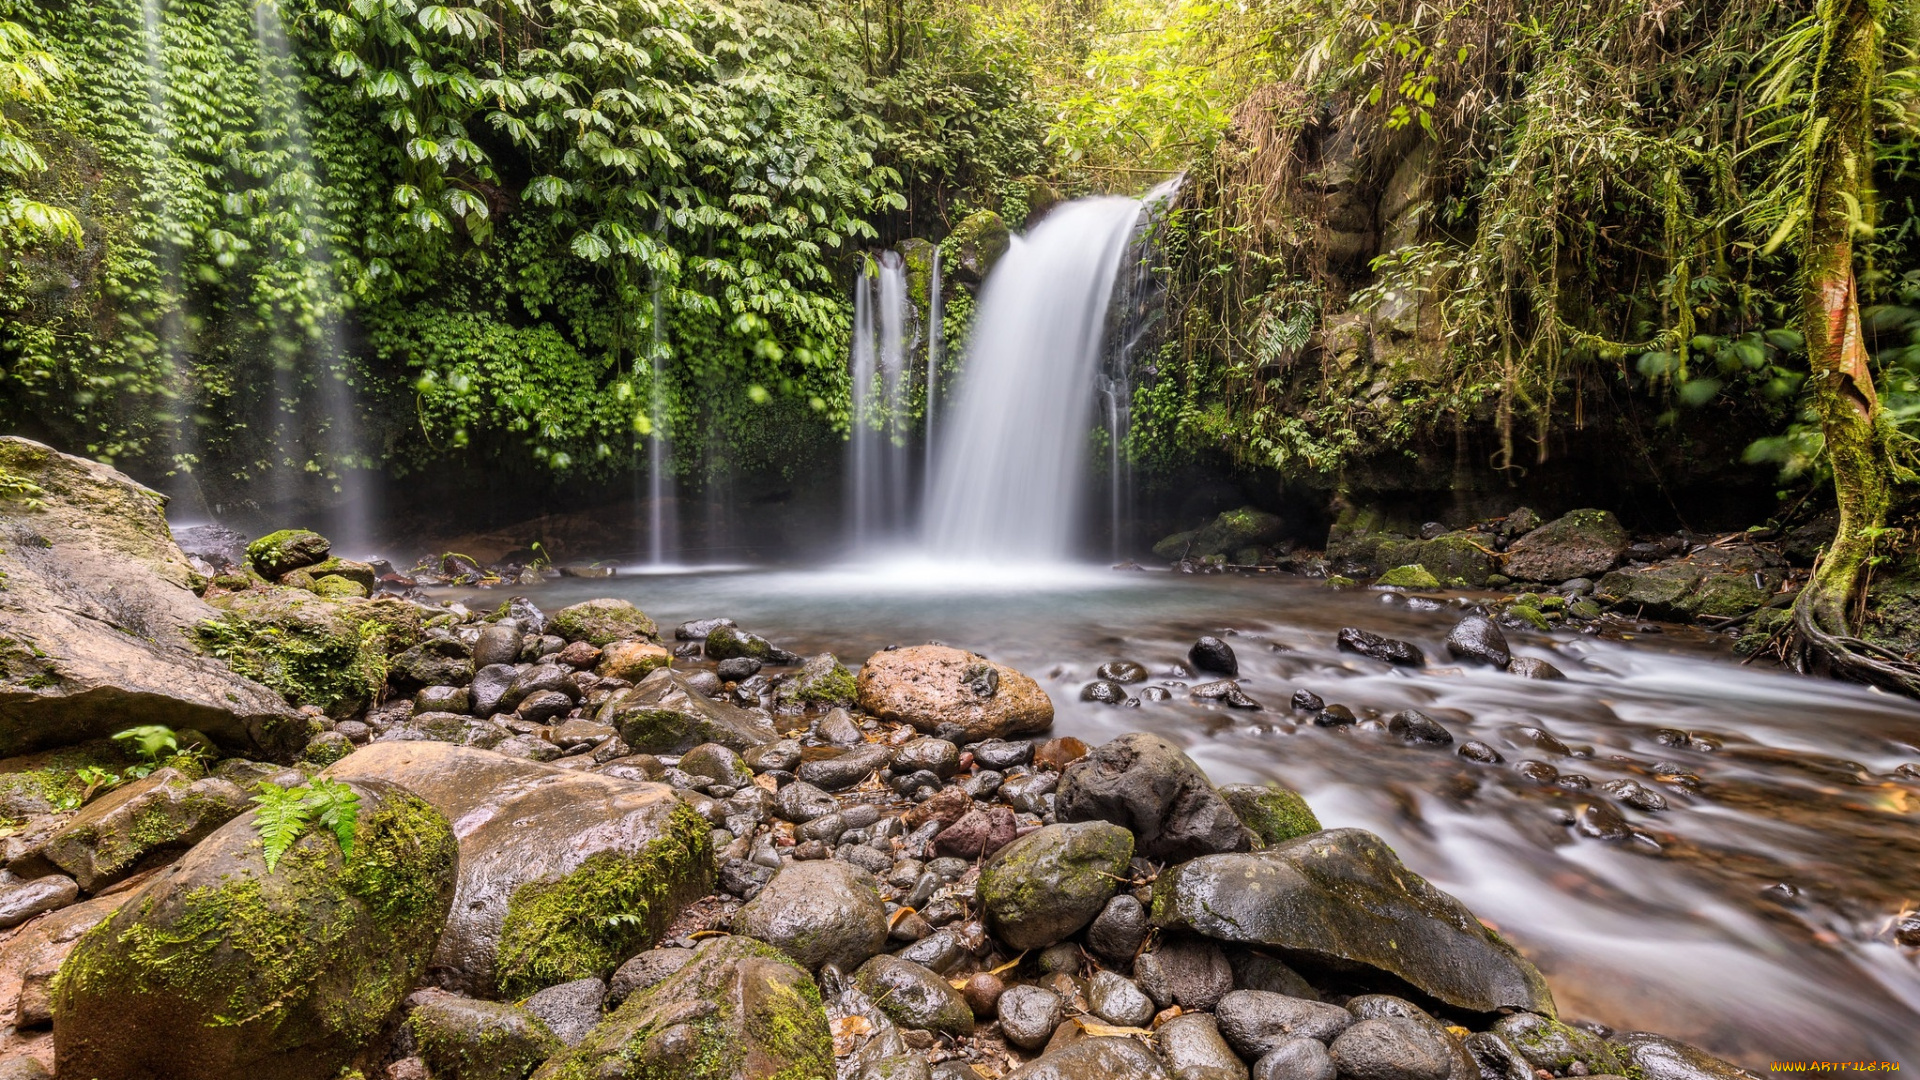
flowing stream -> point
(1753, 919)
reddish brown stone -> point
(1057, 754)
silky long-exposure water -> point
(1753, 917)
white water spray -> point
(663, 521)
(878, 496)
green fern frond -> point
(338, 810)
(282, 816)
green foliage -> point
(150, 741)
(283, 815)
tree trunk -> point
(1841, 190)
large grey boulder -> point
(221, 969)
(563, 873)
(1342, 897)
(1146, 784)
(97, 618)
(737, 1009)
(818, 912)
(933, 686)
(665, 715)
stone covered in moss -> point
(563, 874)
(1274, 813)
(166, 811)
(1548, 1044)
(1726, 596)
(822, 680)
(1657, 593)
(1582, 543)
(602, 622)
(1225, 535)
(312, 651)
(335, 587)
(666, 715)
(1045, 886)
(359, 573)
(1456, 558)
(289, 549)
(467, 1039)
(738, 1010)
(976, 244)
(1409, 577)
(222, 970)
(731, 643)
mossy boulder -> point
(919, 258)
(222, 970)
(1548, 1044)
(1457, 558)
(1226, 535)
(359, 573)
(167, 811)
(1342, 898)
(97, 619)
(289, 549)
(314, 652)
(1581, 543)
(1274, 813)
(463, 1038)
(738, 1010)
(822, 680)
(1045, 886)
(563, 874)
(976, 244)
(1176, 547)
(1658, 592)
(602, 622)
(733, 643)
(1726, 596)
(335, 587)
(1409, 577)
(666, 715)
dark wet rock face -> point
(823, 912)
(1147, 785)
(1391, 1049)
(664, 714)
(1660, 1058)
(1478, 639)
(1416, 728)
(1258, 1023)
(1190, 972)
(1215, 655)
(1375, 647)
(1303, 896)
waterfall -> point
(1010, 469)
(935, 334)
(310, 351)
(879, 481)
(663, 524)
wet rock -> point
(349, 938)
(932, 686)
(1478, 639)
(22, 900)
(163, 813)
(822, 680)
(825, 912)
(845, 770)
(978, 834)
(1636, 795)
(1375, 647)
(1028, 1015)
(464, 1039)
(947, 806)
(1391, 1049)
(1335, 715)
(982, 992)
(729, 642)
(601, 623)
(1416, 728)
(645, 971)
(1556, 1047)
(737, 669)
(490, 687)
(1058, 753)
(548, 857)
(781, 756)
(629, 660)
(453, 699)
(1194, 1050)
(913, 996)
(497, 645)
(1274, 813)
(937, 756)
(1342, 896)
(1215, 655)
(1095, 1059)
(289, 549)
(34, 956)
(698, 629)
(1115, 999)
(1225, 691)
(543, 705)
(1119, 930)
(1411, 576)
(717, 763)
(800, 802)
(1147, 785)
(663, 715)
(1257, 1023)
(581, 655)
(1600, 821)
(1001, 754)
(1528, 667)
(1657, 1057)
(1475, 750)
(1583, 543)
(1254, 970)
(737, 1009)
(1030, 794)
(1122, 671)
(1104, 693)
(1296, 1059)
(100, 623)
(1307, 701)
(837, 728)
(1192, 973)
(1048, 884)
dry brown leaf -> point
(1104, 1030)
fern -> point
(285, 814)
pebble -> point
(1104, 692)
(800, 802)
(1057, 754)
(1189, 972)
(1475, 750)
(1117, 933)
(1194, 1050)
(1477, 639)
(1117, 1000)
(1334, 716)
(1296, 1059)
(1528, 667)
(1122, 671)
(1393, 651)
(1637, 795)
(846, 770)
(1212, 654)
(1416, 728)
(1028, 1015)
(1307, 701)
(1002, 755)
(937, 756)
(1390, 1049)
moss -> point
(289, 549)
(1530, 615)
(602, 622)
(255, 947)
(1409, 577)
(312, 652)
(1274, 813)
(614, 905)
(53, 777)
(823, 680)
(479, 1040)
(335, 587)
(1335, 581)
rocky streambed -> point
(582, 846)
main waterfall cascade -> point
(1010, 468)
(878, 507)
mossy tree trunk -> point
(1840, 193)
